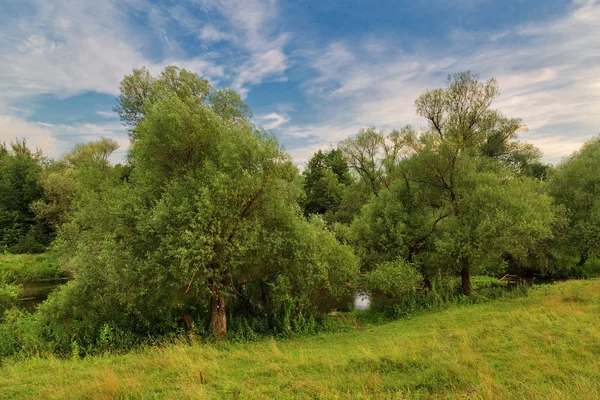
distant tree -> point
(62, 181)
(325, 177)
(400, 224)
(20, 230)
(575, 184)
(373, 156)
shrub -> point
(8, 296)
(390, 282)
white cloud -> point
(252, 27)
(211, 34)
(56, 139)
(107, 114)
(66, 48)
(36, 135)
(557, 147)
(272, 120)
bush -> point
(390, 282)
(8, 296)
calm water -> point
(36, 292)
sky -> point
(313, 71)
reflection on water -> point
(362, 301)
(36, 292)
(357, 301)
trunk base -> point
(582, 260)
(466, 282)
(218, 320)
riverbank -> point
(35, 275)
(544, 346)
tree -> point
(468, 156)
(62, 181)
(399, 224)
(20, 230)
(575, 184)
(459, 197)
(373, 156)
(325, 177)
(207, 221)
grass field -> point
(23, 268)
(545, 346)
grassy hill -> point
(545, 346)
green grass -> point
(545, 346)
(24, 268)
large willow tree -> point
(206, 224)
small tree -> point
(84, 166)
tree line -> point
(208, 220)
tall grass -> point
(543, 346)
(23, 268)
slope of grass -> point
(545, 346)
(23, 268)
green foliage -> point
(8, 296)
(20, 230)
(575, 184)
(206, 225)
(325, 178)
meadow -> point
(543, 346)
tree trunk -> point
(218, 317)
(427, 285)
(466, 282)
(582, 259)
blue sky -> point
(313, 72)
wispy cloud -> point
(56, 139)
(66, 48)
(272, 120)
(549, 74)
(107, 114)
(251, 26)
